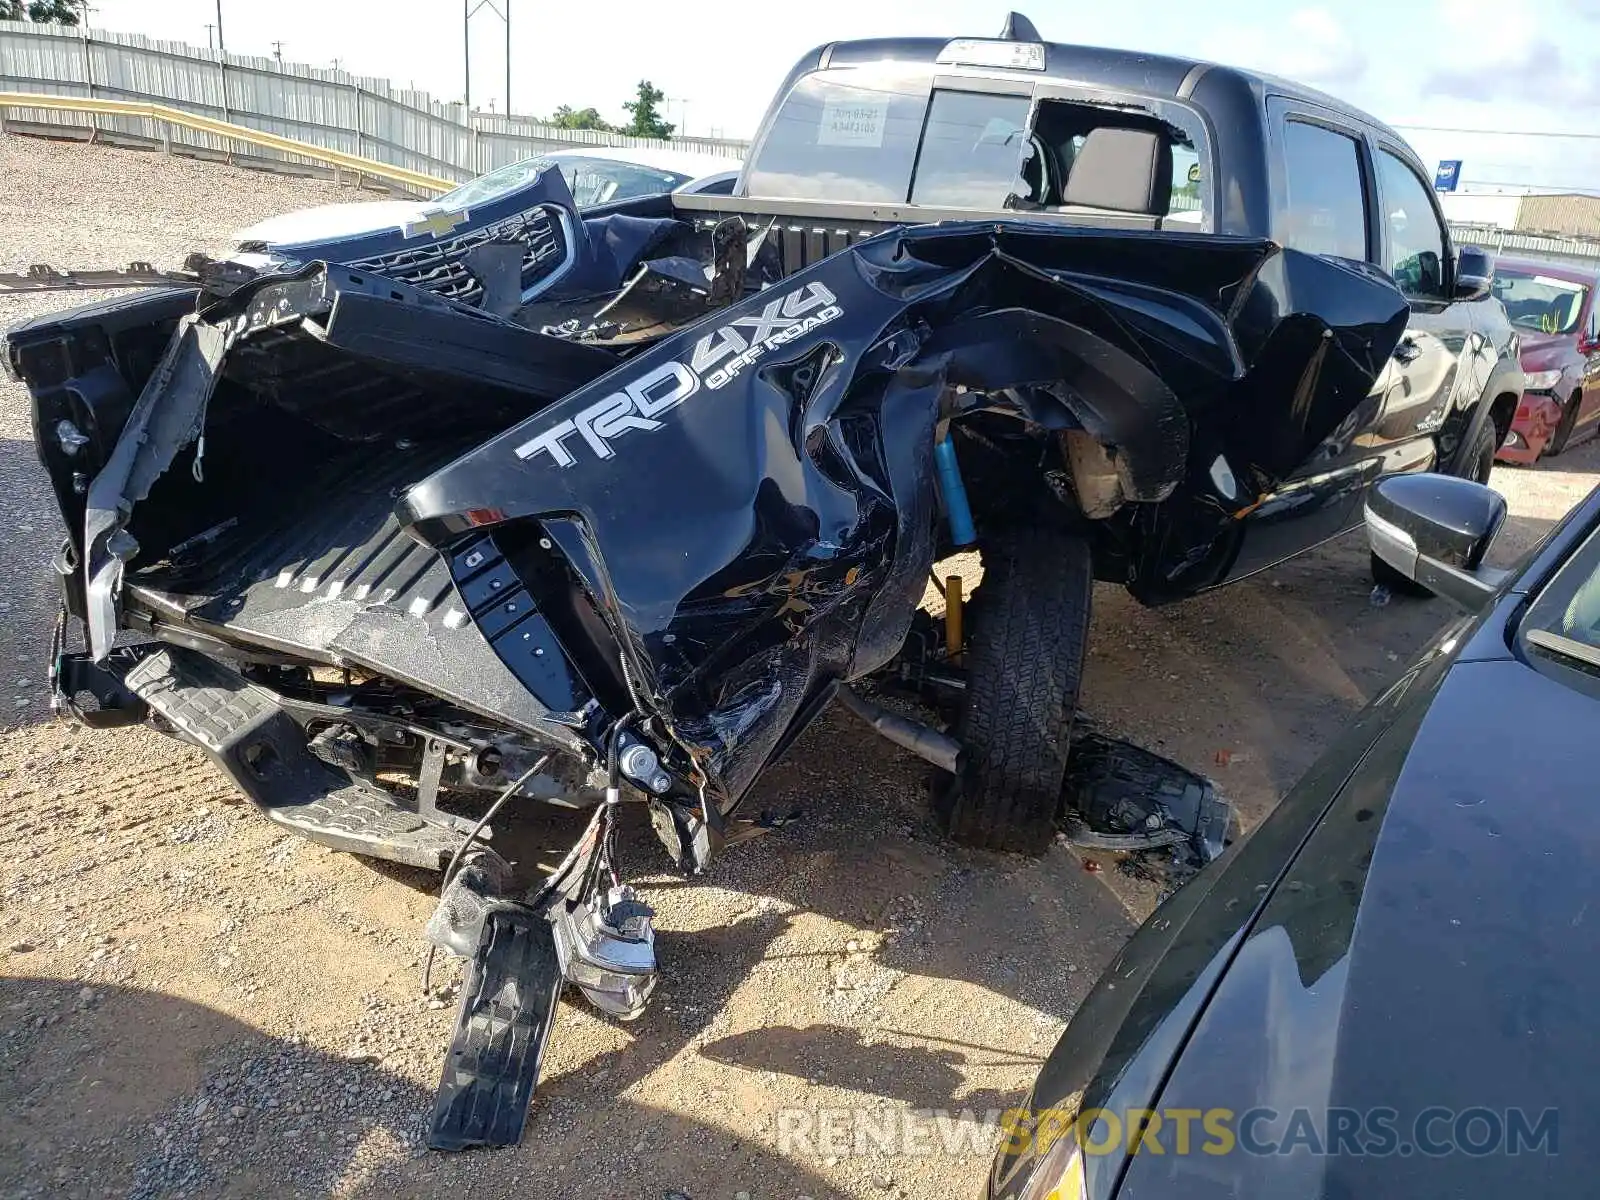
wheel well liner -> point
(1059, 375)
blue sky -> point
(1472, 64)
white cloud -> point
(1534, 54)
(1313, 46)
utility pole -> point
(468, 10)
(222, 64)
(683, 113)
(88, 55)
(211, 43)
(277, 53)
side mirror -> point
(1435, 529)
(1474, 272)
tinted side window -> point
(972, 151)
(844, 134)
(1416, 242)
(1324, 210)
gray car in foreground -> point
(1385, 989)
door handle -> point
(1407, 351)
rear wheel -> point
(1029, 629)
(1563, 434)
(1477, 459)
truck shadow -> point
(138, 1093)
(837, 1056)
(147, 1094)
(846, 915)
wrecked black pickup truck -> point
(614, 526)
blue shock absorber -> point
(962, 532)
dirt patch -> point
(195, 1004)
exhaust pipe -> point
(926, 742)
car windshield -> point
(1541, 303)
(1562, 626)
(593, 181)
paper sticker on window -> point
(849, 122)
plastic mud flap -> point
(507, 1009)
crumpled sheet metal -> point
(750, 502)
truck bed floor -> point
(328, 575)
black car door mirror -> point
(1435, 529)
(1474, 273)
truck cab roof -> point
(929, 123)
(1123, 70)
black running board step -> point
(249, 735)
(507, 1009)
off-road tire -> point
(1564, 427)
(1029, 628)
(1475, 463)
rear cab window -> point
(844, 135)
(1322, 208)
(973, 150)
(893, 133)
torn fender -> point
(750, 503)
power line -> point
(1539, 133)
(1587, 189)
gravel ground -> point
(192, 1004)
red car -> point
(1552, 308)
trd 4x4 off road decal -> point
(657, 391)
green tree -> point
(54, 12)
(566, 117)
(11, 10)
(647, 120)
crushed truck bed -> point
(331, 577)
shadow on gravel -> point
(139, 1094)
(1519, 538)
(150, 1095)
(867, 855)
(1581, 456)
(835, 1056)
